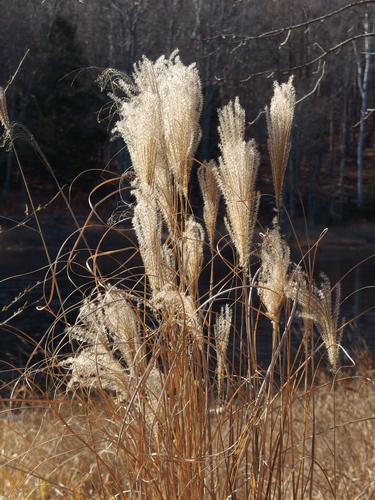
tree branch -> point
(292, 27)
(317, 59)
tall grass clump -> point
(157, 387)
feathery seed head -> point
(121, 321)
(178, 309)
(140, 123)
(89, 326)
(211, 197)
(165, 197)
(181, 103)
(105, 322)
(159, 118)
(236, 175)
(147, 226)
(279, 125)
(221, 331)
(273, 277)
(95, 368)
(192, 253)
(231, 124)
(319, 305)
(141, 130)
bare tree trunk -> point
(373, 145)
(344, 150)
(362, 78)
(313, 188)
(292, 183)
(332, 160)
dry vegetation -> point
(164, 395)
(86, 449)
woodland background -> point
(240, 47)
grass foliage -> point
(157, 388)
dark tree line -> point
(240, 48)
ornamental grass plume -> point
(159, 122)
(94, 367)
(192, 254)
(279, 124)
(147, 225)
(237, 171)
(319, 305)
(273, 274)
(113, 354)
(141, 130)
(161, 405)
(89, 326)
(106, 323)
(121, 321)
(221, 331)
(141, 127)
(140, 123)
(181, 105)
(211, 197)
(179, 314)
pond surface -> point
(23, 264)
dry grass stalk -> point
(192, 254)
(4, 117)
(179, 313)
(279, 124)
(237, 171)
(211, 197)
(222, 330)
(42, 452)
(147, 225)
(166, 200)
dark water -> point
(25, 285)
(23, 264)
